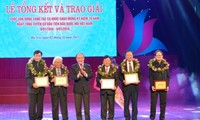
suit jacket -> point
(81, 84)
(30, 77)
(126, 87)
(113, 76)
(54, 89)
(155, 75)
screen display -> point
(57, 28)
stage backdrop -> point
(57, 27)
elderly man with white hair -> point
(58, 92)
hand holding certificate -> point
(160, 84)
(131, 78)
(107, 83)
(61, 81)
(42, 81)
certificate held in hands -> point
(107, 83)
(42, 81)
(61, 80)
(132, 78)
(160, 84)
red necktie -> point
(81, 66)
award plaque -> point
(107, 83)
(61, 80)
(131, 78)
(160, 84)
(42, 81)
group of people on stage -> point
(81, 73)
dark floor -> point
(174, 112)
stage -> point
(114, 27)
(183, 101)
(174, 111)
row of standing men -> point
(81, 73)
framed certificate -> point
(61, 80)
(160, 84)
(107, 83)
(42, 81)
(131, 78)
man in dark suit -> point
(81, 73)
(35, 67)
(130, 90)
(158, 70)
(58, 92)
(107, 71)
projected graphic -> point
(57, 27)
(136, 34)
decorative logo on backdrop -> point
(136, 34)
